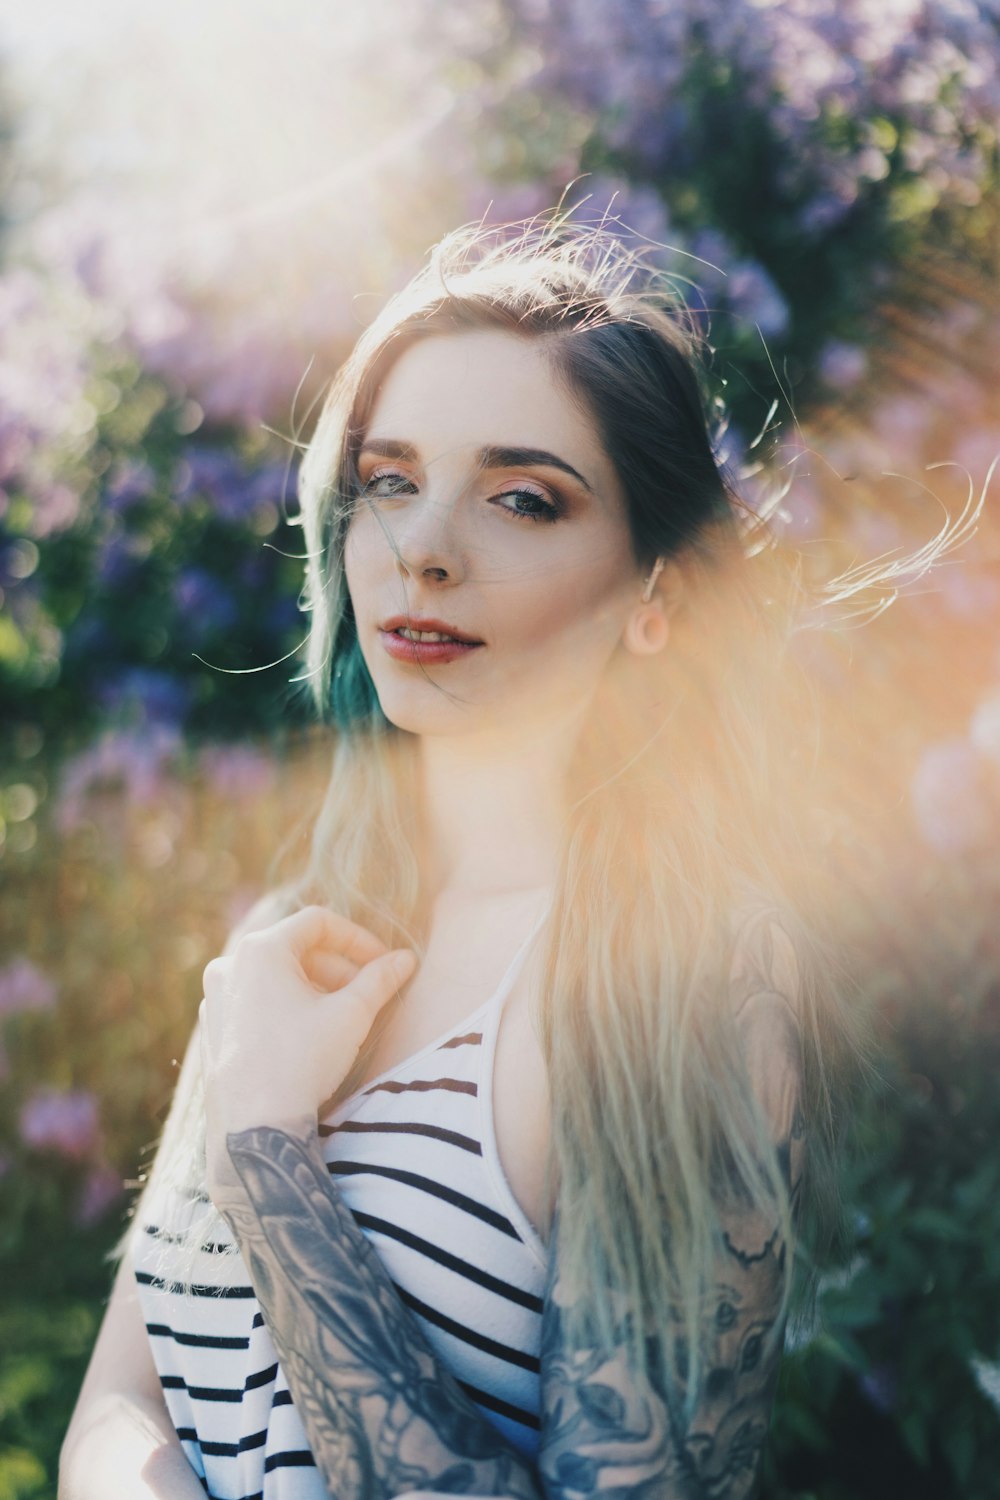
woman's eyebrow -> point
(488, 458)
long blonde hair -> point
(685, 824)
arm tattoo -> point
(383, 1415)
(612, 1431)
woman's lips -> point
(402, 649)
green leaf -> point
(959, 1443)
(21, 1474)
(914, 1435)
(939, 1224)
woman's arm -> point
(383, 1415)
(609, 1430)
(121, 1440)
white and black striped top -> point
(415, 1158)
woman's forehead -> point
(485, 389)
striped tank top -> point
(414, 1156)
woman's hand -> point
(283, 1019)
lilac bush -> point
(63, 1122)
(807, 146)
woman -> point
(390, 1245)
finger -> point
(328, 971)
(317, 926)
(381, 979)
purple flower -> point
(62, 1122)
(204, 606)
(151, 696)
(947, 797)
(274, 484)
(283, 615)
(238, 771)
(842, 365)
(881, 1387)
(24, 987)
(102, 1187)
(754, 296)
(626, 208)
(54, 507)
(133, 761)
(119, 557)
(219, 476)
(128, 483)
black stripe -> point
(187, 1434)
(505, 1409)
(233, 1450)
(407, 1127)
(180, 1290)
(199, 1392)
(258, 1320)
(470, 1335)
(453, 1262)
(423, 1085)
(427, 1185)
(294, 1459)
(460, 1041)
(214, 1393)
(415, 1086)
(196, 1340)
(212, 1247)
(221, 1393)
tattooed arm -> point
(612, 1431)
(383, 1415)
(385, 1418)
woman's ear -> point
(647, 629)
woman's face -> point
(510, 527)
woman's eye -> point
(541, 509)
(373, 485)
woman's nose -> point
(428, 535)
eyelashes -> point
(546, 511)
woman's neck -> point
(494, 815)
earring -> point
(647, 592)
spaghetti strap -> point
(498, 999)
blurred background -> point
(201, 206)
